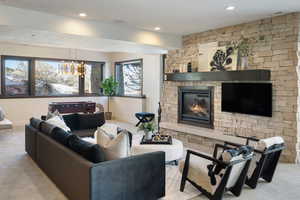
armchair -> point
(267, 154)
(213, 175)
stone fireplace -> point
(195, 106)
(277, 52)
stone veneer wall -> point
(298, 110)
(277, 52)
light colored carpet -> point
(21, 179)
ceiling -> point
(51, 39)
(173, 16)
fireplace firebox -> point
(195, 106)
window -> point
(28, 77)
(93, 78)
(129, 75)
(16, 77)
(49, 81)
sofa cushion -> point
(35, 123)
(47, 128)
(61, 136)
(57, 121)
(72, 121)
(85, 132)
(90, 121)
(91, 152)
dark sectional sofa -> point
(67, 161)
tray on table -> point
(158, 139)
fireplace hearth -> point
(195, 106)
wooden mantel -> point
(243, 75)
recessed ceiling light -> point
(230, 8)
(157, 28)
(82, 14)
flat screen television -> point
(247, 98)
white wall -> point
(50, 52)
(124, 108)
(20, 110)
(151, 80)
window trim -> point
(142, 85)
(31, 77)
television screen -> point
(247, 98)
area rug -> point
(173, 179)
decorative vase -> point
(244, 62)
(148, 135)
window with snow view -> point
(16, 77)
(49, 81)
(129, 75)
(44, 77)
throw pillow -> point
(119, 130)
(110, 129)
(2, 114)
(118, 147)
(57, 121)
(53, 114)
(91, 152)
(61, 136)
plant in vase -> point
(243, 49)
(109, 86)
(148, 128)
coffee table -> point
(174, 151)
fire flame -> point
(198, 109)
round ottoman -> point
(174, 151)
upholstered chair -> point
(213, 175)
(267, 154)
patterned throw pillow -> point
(2, 114)
(57, 121)
(53, 114)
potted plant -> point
(148, 128)
(109, 86)
(243, 52)
(243, 48)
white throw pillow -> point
(118, 147)
(110, 129)
(53, 114)
(57, 121)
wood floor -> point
(21, 179)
